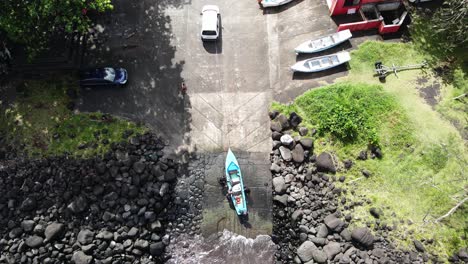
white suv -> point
(210, 23)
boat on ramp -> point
(235, 184)
(273, 3)
(321, 63)
(324, 42)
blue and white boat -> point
(235, 184)
(323, 43)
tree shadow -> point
(142, 45)
(279, 9)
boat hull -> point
(321, 63)
(235, 182)
(274, 3)
(324, 43)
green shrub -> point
(348, 112)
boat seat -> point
(235, 181)
(236, 188)
(232, 172)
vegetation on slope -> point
(445, 38)
(40, 122)
(33, 23)
(421, 175)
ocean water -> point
(223, 248)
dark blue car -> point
(103, 77)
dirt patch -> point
(429, 90)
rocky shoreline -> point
(137, 205)
(114, 209)
(308, 224)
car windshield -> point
(209, 33)
(108, 74)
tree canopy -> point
(32, 22)
(443, 34)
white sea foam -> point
(223, 248)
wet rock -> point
(296, 215)
(305, 251)
(133, 232)
(419, 246)
(376, 152)
(366, 173)
(275, 168)
(279, 184)
(286, 140)
(105, 235)
(53, 231)
(141, 244)
(157, 249)
(164, 190)
(28, 225)
(34, 241)
(275, 144)
(15, 232)
(332, 249)
(28, 204)
(283, 121)
(303, 131)
(139, 166)
(88, 249)
(325, 162)
(363, 236)
(273, 114)
(85, 237)
(346, 235)
(283, 199)
(304, 229)
(285, 153)
(378, 253)
(375, 212)
(275, 126)
(322, 231)
(294, 120)
(39, 229)
(463, 254)
(170, 175)
(80, 257)
(276, 135)
(333, 223)
(307, 143)
(298, 154)
(348, 164)
(362, 155)
(319, 256)
(78, 205)
(319, 241)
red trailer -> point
(385, 15)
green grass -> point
(95, 131)
(455, 110)
(421, 175)
(40, 123)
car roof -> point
(209, 20)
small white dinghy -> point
(272, 3)
(324, 43)
(321, 63)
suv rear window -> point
(209, 33)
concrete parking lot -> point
(231, 84)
